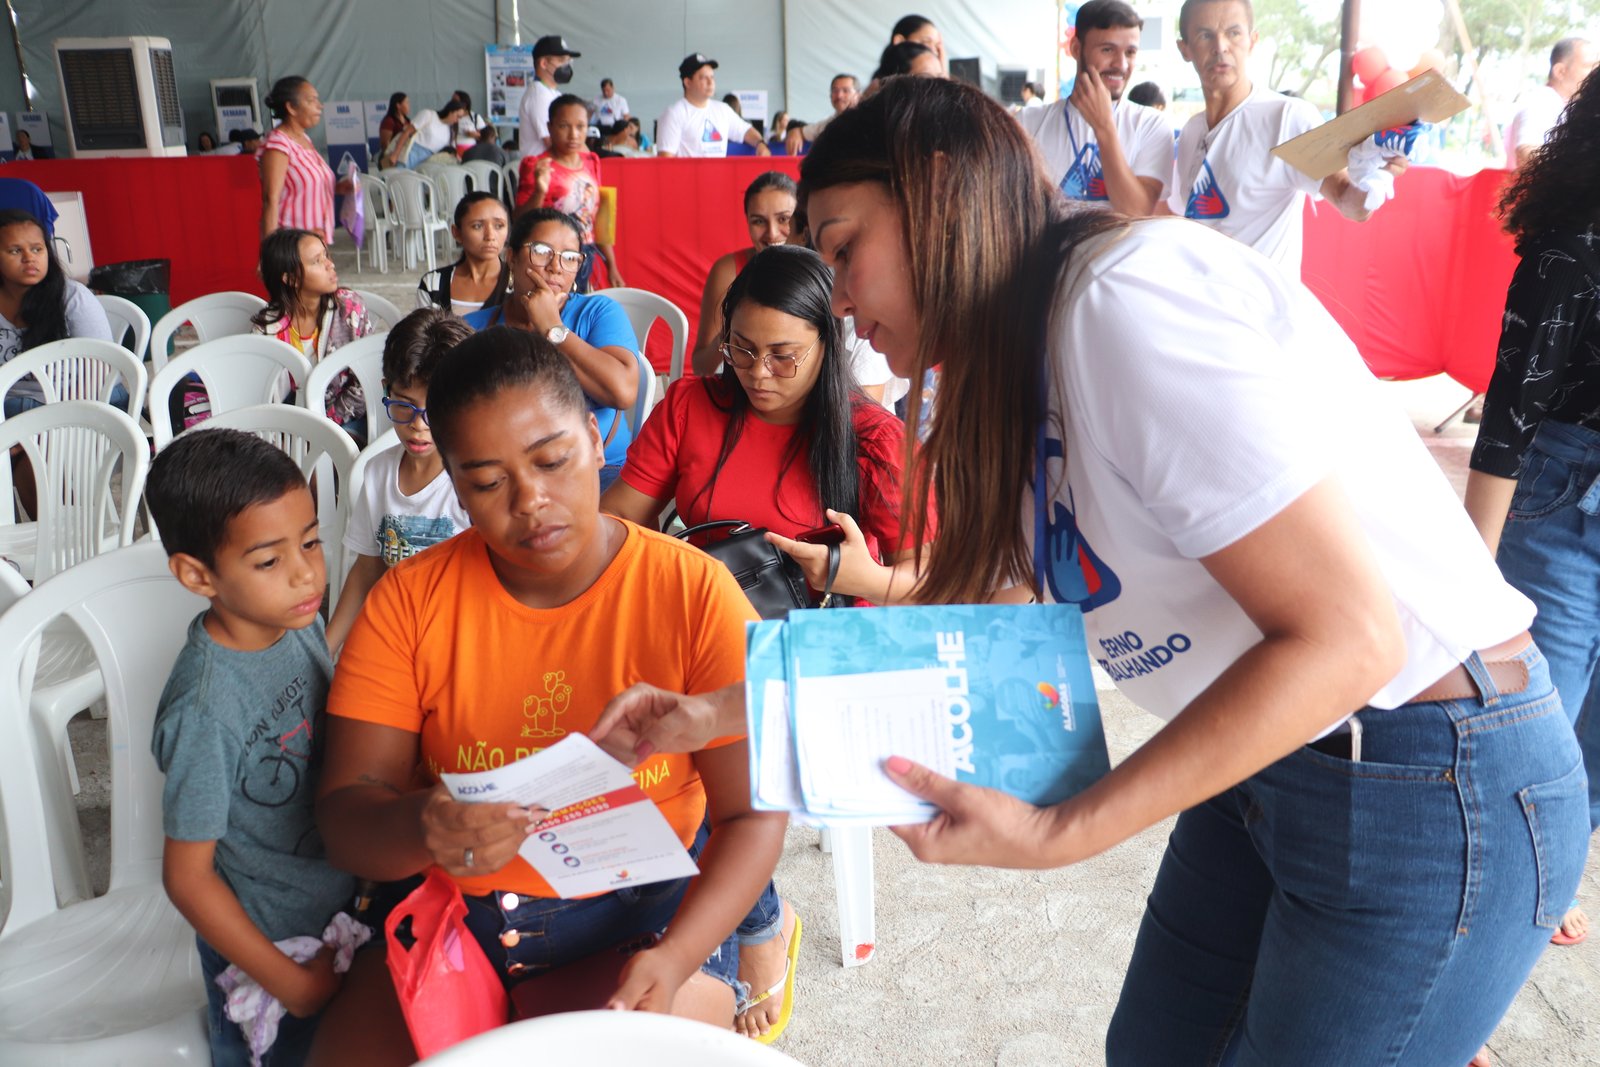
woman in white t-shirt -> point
(1381, 807)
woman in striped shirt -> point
(297, 184)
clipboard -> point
(1320, 152)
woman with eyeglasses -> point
(783, 432)
(406, 502)
(782, 436)
(592, 331)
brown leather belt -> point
(1509, 674)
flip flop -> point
(1561, 937)
(784, 986)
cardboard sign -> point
(1320, 152)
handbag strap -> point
(833, 572)
(733, 526)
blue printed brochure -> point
(995, 695)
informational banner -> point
(509, 71)
(233, 118)
(7, 149)
(753, 104)
(36, 124)
(376, 110)
(346, 124)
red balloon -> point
(1432, 59)
(1368, 63)
(1389, 79)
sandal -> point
(1561, 937)
(784, 985)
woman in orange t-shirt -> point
(500, 642)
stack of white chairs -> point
(417, 199)
(115, 979)
(382, 222)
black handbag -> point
(771, 579)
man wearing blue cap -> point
(699, 125)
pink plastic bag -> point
(352, 209)
(447, 987)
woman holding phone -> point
(1129, 438)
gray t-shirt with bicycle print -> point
(239, 736)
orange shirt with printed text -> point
(443, 651)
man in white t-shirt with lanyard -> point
(1104, 151)
(552, 67)
(843, 92)
(699, 125)
(1539, 111)
(1227, 177)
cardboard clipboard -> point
(1320, 152)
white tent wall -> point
(366, 49)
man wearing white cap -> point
(552, 66)
(699, 125)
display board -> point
(508, 71)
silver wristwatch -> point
(556, 334)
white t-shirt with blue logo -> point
(1229, 179)
(699, 132)
(1187, 371)
(1072, 152)
(385, 522)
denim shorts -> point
(229, 1045)
(524, 937)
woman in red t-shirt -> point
(783, 434)
(567, 178)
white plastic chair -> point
(380, 309)
(115, 979)
(416, 200)
(237, 372)
(453, 181)
(78, 368)
(510, 174)
(382, 221)
(358, 475)
(318, 448)
(364, 358)
(644, 308)
(608, 1037)
(212, 316)
(851, 849)
(126, 318)
(646, 398)
(486, 178)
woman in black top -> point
(1534, 488)
(481, 277)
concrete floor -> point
(1009, 968)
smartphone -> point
(831, 534)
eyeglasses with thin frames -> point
(403, 412)
(779, 365)
(540, 255)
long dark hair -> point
(395, 100)
(795, 281)
(971, 190)
(909, 24)
(282, 275)
(897, 59)
(1560, 186)
(44, 305)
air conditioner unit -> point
(119, 96)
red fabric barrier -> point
(674, 218)
(1420, 286)
(203, 213)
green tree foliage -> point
(1304, 38)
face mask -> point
(562, 74)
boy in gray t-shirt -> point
(239, 727)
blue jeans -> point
(229, 1047)
(417, 155)
(1550, 550)
(1325, 912)
(17, 403)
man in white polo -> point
(552, 67)
(1227, 177)
(699, 125)
(1539, 110)
(1104, 151)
